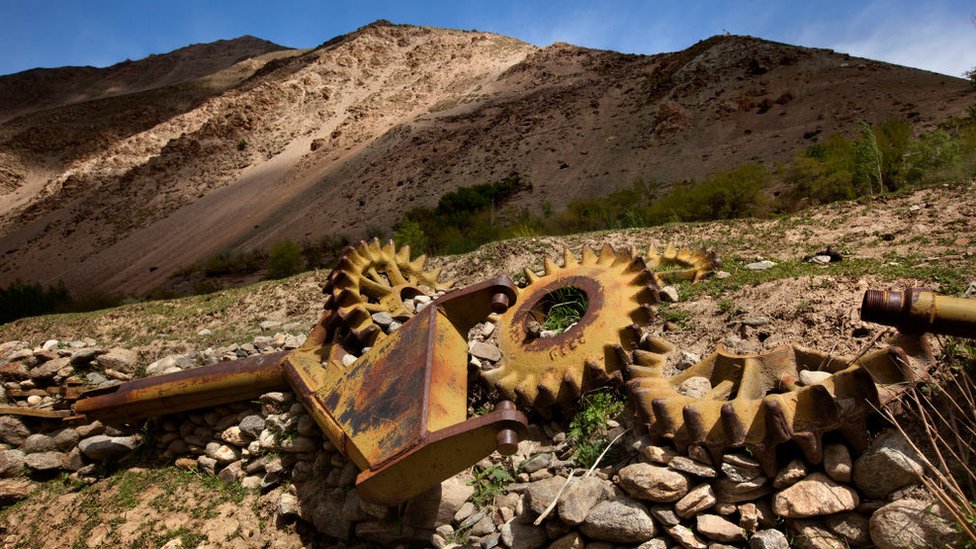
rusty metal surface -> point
(444, 453)
(681, 264)
(222, 383)
(406, 395)
(757, 401)
(372, 277)
(917, 310)
(34, 412)
(540, 372)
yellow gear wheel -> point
(541, 371)
(681, 264)
(370, 278)
(758, 401)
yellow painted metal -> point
(757, 402)
(540, 371)
(918, 310)
(372, 277)
(680, 264)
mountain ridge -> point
(389, 117)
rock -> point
(516, 535)
(820, 259)
(252, 425)
(382, 319)
(814, 496)
(14, 490)
(717, 528)
(234, 435)
(695, 501)
(439, 504)
(490, 541)
(465, 511)
(685, 537)
(650, 482)
(837, 462)
(91, 429)
(755, 321)
(970, 290)
(485, 351)
(580, 497)
(665, 515)
(232, 473)
(813, 377)
(687, 360)
(736, 473)
(298, 444)
(34, 400)
(654, 543)
(11, 463)
(769, 539)
(49, 369)
(266, 325)
(221, 453)
(16, 371)
(809, 534)
(38, 443)
(909, 523)
(888, 464)
(287, 505)
(695, 386)
(657, 454)
(790, 475)
(748, 517)
(82, 357)
(852, 527)
(65, 439)
(540, 494)
(483, 527)
(571, 540)
(728, 491)
(536, 462)
(622, 520)
(685, 465)
(44, 461)
(669, 294)
(106, 448)
(760, 265)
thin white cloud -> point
(929, 37)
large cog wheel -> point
(541, 371)
(681, 264)
(370, 278)
(757, 402)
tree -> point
(285, 259)
(411, 234)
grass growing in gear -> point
(565, 307)
(587, 431)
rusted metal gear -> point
(370, 278)
(541, 371)
(681, 264)
(758, 402)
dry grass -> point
(940, 423)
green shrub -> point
(21, 299)
(587, 431)
(227, 262)
(409, 233)
(285, 259)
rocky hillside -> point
(120, 192)
(260, 474)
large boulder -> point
(106, 448)
(814, 496)
(650, 482)
(911, 523)
(620, 520)
(888, 464)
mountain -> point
(118, 191)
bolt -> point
(499, 302)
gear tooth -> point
(418, 264)
(623, 357)
(403, 254)
(694, 424)
(670, 252)
(589, 256)
(596, 373)
(811, 444)
(653, 258)
(545, 397)
(549, 266)
(607, 254)
(774, 417)
(667, 422)
(525, 394)
(649, 295)
(530, 275)
(572, 384)
(735, 429)
(855, 432)
(766, 458)
(637, 265)
(569, 260)
(648, 359)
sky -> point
(936, 35)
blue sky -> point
(935, 35)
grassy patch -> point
(587, 431)
(563, 308)
(488, 483)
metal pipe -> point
(918, 310)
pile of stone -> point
(653, 497)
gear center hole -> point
(561, 309)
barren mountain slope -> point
(390, 117)
(36, 89)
